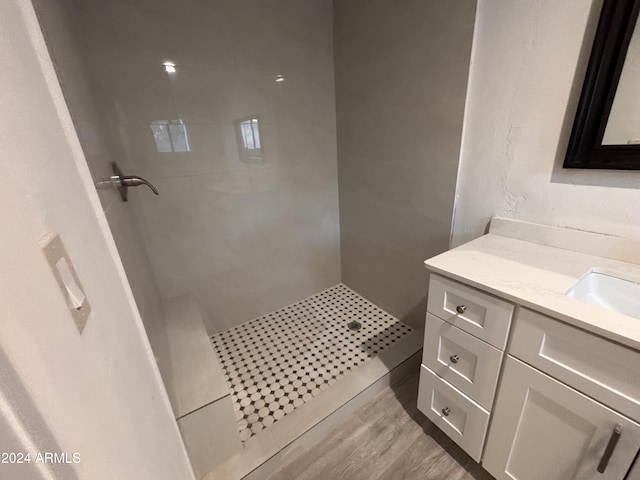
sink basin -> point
(606, 290)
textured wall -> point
(401, 76)
(526, 77)
(98, 393)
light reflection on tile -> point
(170, 136)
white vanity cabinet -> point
(567, 406)
(465, 334)
(543, 429)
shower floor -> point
(277, 362)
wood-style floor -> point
(388, 439)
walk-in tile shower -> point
(305, 155)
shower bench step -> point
(197, 389)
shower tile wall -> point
(401, 75)
(246, 230)
(65, 27)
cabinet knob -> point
(454, 358)
(461, 308)
(446, 411)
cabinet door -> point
(543, 429)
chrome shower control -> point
(124, 182)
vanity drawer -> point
(482, 315)
(463, 420)
(461, 359)
(604, 370)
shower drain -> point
(354, 326)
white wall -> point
(98, 393)
(520, 109)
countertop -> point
(538, 277)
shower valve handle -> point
(134, 181)
(124, 182)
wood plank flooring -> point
(388, 439)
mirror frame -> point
(615, 29)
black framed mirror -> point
(606, 129)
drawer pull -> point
(461, 309)
(446, 411)
(611, 446)
(454, 358)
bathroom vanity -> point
(523, 366)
